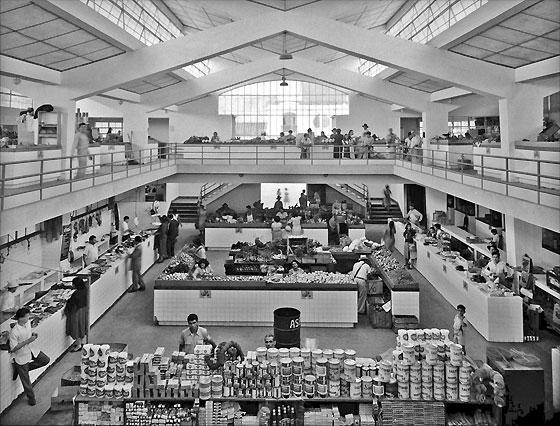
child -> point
(459, 323)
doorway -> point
(416, 195)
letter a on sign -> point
(294, 323)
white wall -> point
(199, 118)
(435, 200)
(528, 239)
(158, 128)
(100, 107)
(378, 116)
(475, 106)
(9, 116)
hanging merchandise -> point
(98, 218)
(76, 232)
(116, 216)
(90, 221)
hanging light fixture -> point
(284, 83)
(285, 56)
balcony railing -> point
(535, 180)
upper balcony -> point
(511, 185)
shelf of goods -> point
(405, 292)
(496, 316)
(310, 387)
(549, 300)
(251, 300)
(50, 325)
(48, 128)
(223, 235)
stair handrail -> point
(208, 189)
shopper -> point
(338, 140)
(269, 341)
(495, 240)
(161, 235)
(125, 229)
(276, 229)
(215, 138)
(177, 217)
(91, 252)
(459, 324)
(295, 222)
(201, 220)
(278, 205)
(409, 245)
(76, 311)
(225, 351)
(136, 266)
(197, 249)
(202, 270)
(172, 234)
(333, 235)
(194, 335)
(81, 146)
(21, 338)
(391, 141)
(9, 298)
(359, 274)
(389, 236)
(248, 216)
(387, 198)
(303, 200)
(414, 216)
(296, 268)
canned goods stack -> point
(104, 373)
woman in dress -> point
(296, 224)
(202, 270)
(387, 198)
(276, 229)
(296, 269)
(389, 236)
(76, 311)
(409, 245)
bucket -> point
(397, 356)
(452, 391)
(328, 353)
(261, 354)
(427, 390)
(464, 392)
(350, 369)
(286, 366)
(440, 351)
(294, 352)
(439, 391)
(465, 373)
(367, 386)
(391, 389)
(427, 373)
(404, 390)
(339, 354)
(408, 353)
(334, 369)
(334, 388)
(385, 368)
(415, 373)
(439, 372)
(451, 374)
(431, 353)
(420, 334)
(436, 334)
(402, 337)
(427, 334)
(403, 372)
(315, 355)
(321, 367)
(456, 354)
(412, 336)
(415, 391)
(444, 334)
(287, 327)
(356, 389)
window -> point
(490, 217)
(551, 240)
(464, 206)
(11, 99)
(458, 126)
(103, 127)
(268, 107)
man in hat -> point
(91, 252)
(9, 298)
(359, 274)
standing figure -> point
(459, 324)
(338, 140)
(201, 221)
(359, 274)
(303, 200)
(276, 229)
(76, 311)
(136, 266)
(286, 197)
(409, 245)
(387, 198)
(389, 236)
(162, 238)
(81, 145)
(172, 234)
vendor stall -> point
(46, 313)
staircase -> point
(186, 208)
(357, 194)
(377, 213)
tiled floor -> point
(131, 321)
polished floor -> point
(130, 321)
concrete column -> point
(135, 125)
(510, 241)
(435, 120)
(521, 116)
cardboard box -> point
(375, 287)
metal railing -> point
(76, 172)
(210, 188)
(511, 174)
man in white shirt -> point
(414, 145)
(91, 252)
(125, 229)
(25, 361)
(9, 298)
(414, 216)
(359, 274)
(497, 268)
(194, 335)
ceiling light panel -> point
(14, 39)
(531, 24)
(507, 61)
(49, 29)
(24, 17)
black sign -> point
(66, 236)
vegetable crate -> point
(406, 322)
(378, 317)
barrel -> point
(287, 328)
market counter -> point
(252, 303)
(223, 235)
(53, 340)
(497, 319)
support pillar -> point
(435, 120)
(135, 125)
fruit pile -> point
(386, 260)
(318, 277)
(180, 263)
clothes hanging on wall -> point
(52, 228)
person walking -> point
(81, 146)
(459, 324)
(162, 238)
(172, 234)
(409, 245)
(389, 236)
(387, 198)
(76, 312)
(136, 266)
(303, 200)
(24, 358)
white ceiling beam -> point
(539, 70)
(114, 72)
(123, 95)
(407, 5)
(415, 57)
(451, 92)
(12, 67)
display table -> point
(223, 235)
(497, 319)
(252, 303)
(53, 340)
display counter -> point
(448, 154)
(26, 155)
(497, 319)
(252, 303)
(223, 235)
(464, 236)
(52, 340)
(356, 232)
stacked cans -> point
(104, 373)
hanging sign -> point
(66, 236)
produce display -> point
(312, 277)
(47, 305)
(183, 276)
(180, 263)
(392, 268)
